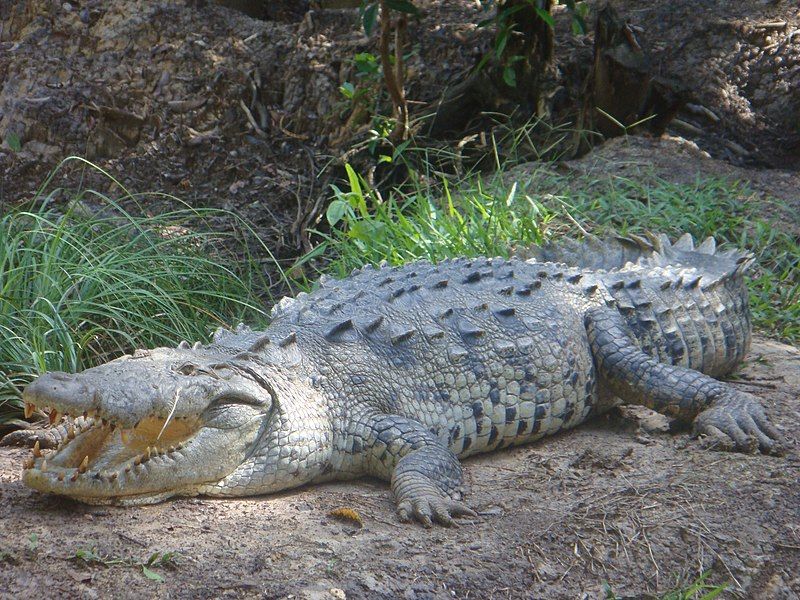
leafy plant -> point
(78, 289)
(154, 561)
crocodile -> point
(401, 372)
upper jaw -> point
(105, 458)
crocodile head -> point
(145, 427)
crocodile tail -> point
(652, 250)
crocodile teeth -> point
(55, 416)
(84, 465)
(70, 431)
(74, 476)
(44, 465)
(60, 476)
(37, 452)
(29, 408)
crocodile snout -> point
(61, 390)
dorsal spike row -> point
(694, 283)
(591, 289)
(374, 324)
(507, 291)
(617, 285)
(558, 275)
(666, 285)
(396, 294)
(542, 274)
(684, 243)
(506, 311)
(664, 313)
(338, 329)
(335, 307)
(457, 353)
(644, 305)
(473, 277)
(261, 343)
(709, 246)
(433, 333)
(635, 284)
(402, 336)
(467, 329)
(197, 346)
(575, 278)
(440, 284)
(482, 306)
(386, 281)
(446, 313)
(184, 345)
(288, 340)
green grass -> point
(474, 217)
(699, 589)
(78, 290)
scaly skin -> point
(401, 372)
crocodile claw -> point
(737, 422)
(429, 508)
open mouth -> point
(96, 452)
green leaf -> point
(336, 210)
(510, 77)
(545, 16)
(501, 41)
(348, 90)
(152, 575)
(403, 6)
(13, 141)
(369, 16)
(399, 150)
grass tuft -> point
(77, 290)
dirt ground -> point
(228, 111)
(614, 501)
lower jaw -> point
(33, 479)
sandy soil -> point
(614, 501)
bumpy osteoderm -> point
(401, 372)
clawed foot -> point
(47, 438)
(737, 422)
(423, 501)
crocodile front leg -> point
(734, 420)
(425, 475)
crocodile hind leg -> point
(734, 420)
(425, 475)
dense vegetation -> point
(79, 288)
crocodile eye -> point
(186, 369)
